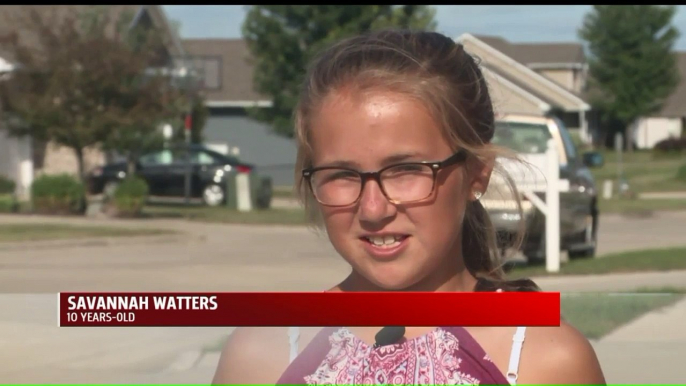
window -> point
(522, 137)
(163, 157)
(570, 148)
(204, 158)
(210, 70)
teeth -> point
(384, 241)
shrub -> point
(681, 173)
(130, 196)
(672, 144)
(57, 194)
(7, 186)
(8, 204)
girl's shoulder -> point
(558, 355)
(258, 355)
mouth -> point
(385, 242)
(385, 246)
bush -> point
(8, 204)
(57, 194)
(130, 196)
(669, 145)
(7, 186)
(681, 173)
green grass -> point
(635, 261)
(647, 206)
(40, 232)
(283, 192)
(645, 171)
(598, 314)
(229, 216)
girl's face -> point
(422, 246)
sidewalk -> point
(613, 282)
(650, 349)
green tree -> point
(283, 38)
(86, 80)
(632, 65)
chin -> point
(391, 279)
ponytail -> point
(481, 253)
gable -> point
(507, 67)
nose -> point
(374, 206)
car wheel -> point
(588, 237)
(213, 195)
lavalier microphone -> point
(388, 335)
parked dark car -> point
(165, 172)
(528, 136)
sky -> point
(516, 23)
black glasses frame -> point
(458, 157)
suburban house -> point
(670, 121)
(539, 79)
(22, 158)
(227, 73)
(551, 78)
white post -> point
(552, 218)
(244, 203)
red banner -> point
(310, 309)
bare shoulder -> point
(257, 355)
(559, 355)
(253, 355)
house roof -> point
(518, 73)
(10, 23)
(675, 105)
(236, 75)
(538, 55)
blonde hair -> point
(437, 72)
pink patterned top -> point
(445, 356)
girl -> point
(394, 133)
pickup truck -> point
(528, 137)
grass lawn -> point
(638, 206)
(634, 261)
(40, 232)
(645, 172)
(598, 314)
(229, 216)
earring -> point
(477, 195)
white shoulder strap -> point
(293, 337)
(513, 368)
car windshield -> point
(522, 137)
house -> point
(22, 158)
(538, 79)
(670, 121)
(509, 68)
(225, 67)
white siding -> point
(16, 162)
(651, 130)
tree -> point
(88, 80)
(632, 65)
(283, 38)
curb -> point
(100, 242)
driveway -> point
(215, 257)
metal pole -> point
(187, 177)
(552, 218)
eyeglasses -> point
(401, 183)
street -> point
(211, 257)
